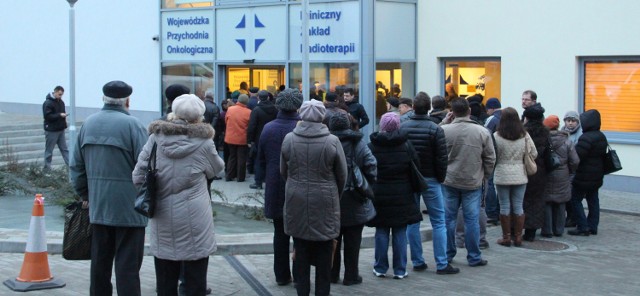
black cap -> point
(393, 102)
(175, 90)
(254, 90)
(117, 89)
(331, 97)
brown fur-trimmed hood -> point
(179, 127)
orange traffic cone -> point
(35, 274)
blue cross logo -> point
(256, 24)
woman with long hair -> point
(510, 177)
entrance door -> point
(267, 78)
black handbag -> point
(417, 180)
(611, 161)
(552, 159)
(358, 181)
(76, 242)
(146, 200)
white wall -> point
(113, 42)
(539, 43)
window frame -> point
(443, 68)
(612, 137)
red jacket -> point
(237, 120)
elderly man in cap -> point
(105, 154)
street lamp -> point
(72, 75)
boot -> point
(505, 222)
(519, 225)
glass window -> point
(393, 80)
(469, 77)
(613, 88)
(186, 3)
(198, 77)
(268, 78)
(325, 77)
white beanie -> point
(312, 111)
(188, 107)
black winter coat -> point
(428, 140)
(534, 200)
(263, 113)
(211, 112)
(357, 111)
(51, 109)
(395, 204)
(438, 115)
(591, 149)
(352, 210)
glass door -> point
(267, 78)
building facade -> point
(577, 55)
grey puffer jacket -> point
(558, 188)
(313, 164)
(182, 227)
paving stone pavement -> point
(605, 264)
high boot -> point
(505, 222)
(519, 225)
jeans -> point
(318, 252)
(434, 200)
(399, 241)
(51, 140)
(591, 222)
(470, 200)
(511, 197)
(492, 204)
(126, 246)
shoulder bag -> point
(552, 159)
(611, 161)
(417, 180)
(359, 182)
(529, 162)
(146, 200)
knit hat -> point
(339, 122)
(263, 95)
(234, 95)
(573, 115)
(493, 103)
(117, 89)
(331, 97)
(535, 112)
(254, 89)
(393, 102)
(175, 90)
(188, 107)
(552, 122)
(243, 99)
(312, 111)
(389, 122)
(289, 100)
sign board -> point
(252, 33)
(334, 31)
(188, 35)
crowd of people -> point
(469, 161)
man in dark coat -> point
(262, 114)
(288, 102)
(428, 140)
(591, 149)
(439, 112)
(355, 109)
(211, 112)
(55, 122)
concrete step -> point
(10, 133)
(56, 161)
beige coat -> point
(471, 154)
(182, 227)
(510, 160)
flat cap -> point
(117, 89)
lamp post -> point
(305, 51)
(72, 75)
